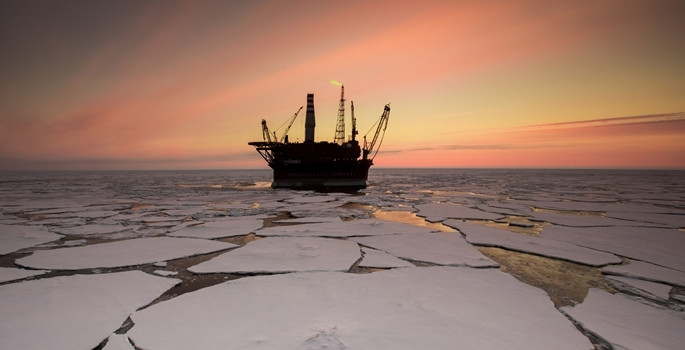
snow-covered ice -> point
(93, 229)
(362, 227)
(165, 273)
(379, 259)
(121, 253)
(434, 247)
(221, 228)
(311, 199)
(285, 254)
(16, 237)
(637, 286)
(495, 237)
(118, 342)
(435, 212)
(11, 274)
(649, 272)
(73, 312)
(385, 303)
(578, 220)
(308, 220)
(201, 231)
(661, 246)
(670, 220)
(408, 308)
(628, 324)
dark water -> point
(591, 185)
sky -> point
(185, 84)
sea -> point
(591, 184)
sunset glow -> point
(184, 85)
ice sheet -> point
(309, 220)
(505, 208)
(15, 237)
(670, 220)
(435, 247)
(379, 259)
(579, 220)
(658, 290)
(647, 271)
(655, 245)
(73, 312)
(285, 254)
(118, 342)
(435, 212)
(221, 228)
(11, 274)
(311, 198)
(121, 253)
(362, 227)
(628, 324)
(494, 237)
(93, 229)
(408, 308)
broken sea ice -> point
(406, 308)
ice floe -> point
(221, 228)
(285, 254)
(379, 259)
(118, 342)
(408, 308)
(655, 245)
(73, 312)
(93, 229)
(16, 237)
(311, 199)
(494, 237)
(11, 274)
(121, 253)
(670, 220)
(640, 287)
(628, 324)
(308, 220)
(362, 227)
(505, 208)
(649, 272)
(435, 212)
(581, 220)
(435, 247)
(165, 273)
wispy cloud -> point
(640, 119)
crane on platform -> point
(267, 134)
(382, 123)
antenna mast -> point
(340, 128)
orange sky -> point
(178, 85)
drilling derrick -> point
(340, 128)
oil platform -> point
(338, 165)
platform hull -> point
(350, 175)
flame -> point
(335, 82)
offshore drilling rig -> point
(338, 165)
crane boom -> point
(382, 125)
(265, 132)
(292, 120)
